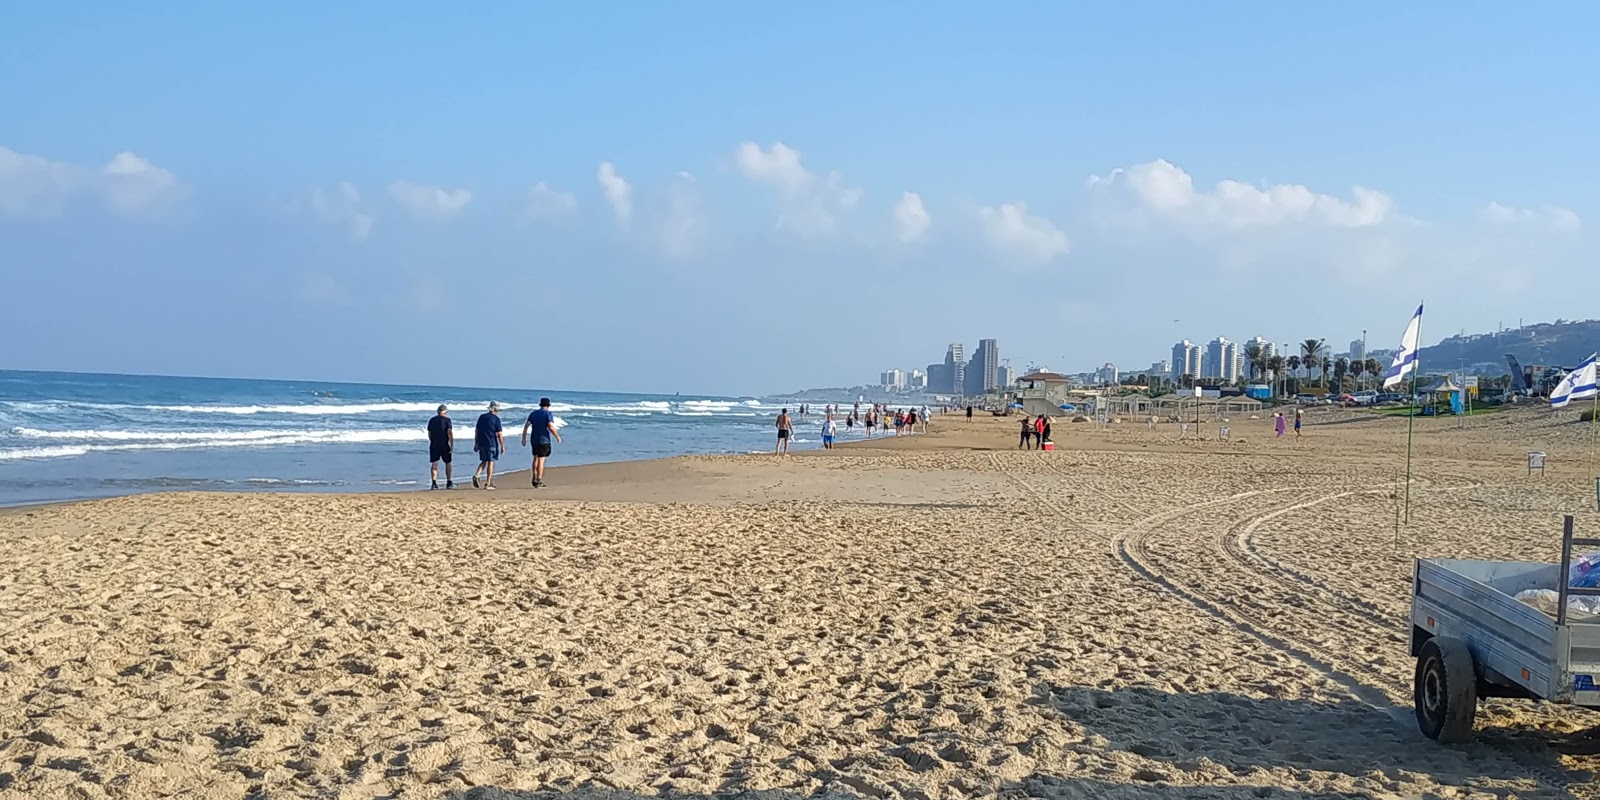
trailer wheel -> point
(1446, 690)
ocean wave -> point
(294, 482)
(303, 409)
(389, 434)
(396, 435)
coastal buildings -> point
(956, 366)
(1186, 358)
(1358, 350)
(917, 381)
(1162, 368)
(1106, 375)
(982, 374)
(892, 379)
(1222, 360)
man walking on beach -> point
(829, 428)
(785, 430)
(441, 441)
(487, 442)
(542, 424)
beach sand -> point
(1134, 615)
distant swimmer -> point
(441, 441)
(487, 442)
(542, 425)
(785, 431)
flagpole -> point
(1411, 419)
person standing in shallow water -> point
(785, 432)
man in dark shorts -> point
(542, 424)
(785, 430)
(487, 442)
(441, 441)
(969, 413)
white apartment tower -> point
(1186, 358)
(1222, 360)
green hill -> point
(1560, 343)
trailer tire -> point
(1445, 690)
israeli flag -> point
(1405, 361)
(1577, 385)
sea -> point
(69, 436)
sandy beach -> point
(1135, 615)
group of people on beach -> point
(904, 420)
(1035, 432)
(489, 441)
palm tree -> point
(1374, 368)
(1275, 364)
(1311, 352)
(1341, 368)
(1293, 363)
(1255, 356)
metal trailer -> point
(1472, 638)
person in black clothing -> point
(969, 413)
(1027, 434)
(1045, 437)
(441, 441)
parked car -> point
(1365, 398)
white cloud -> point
(547, 203)
(911, 219)
(1164, 191)
(617, 191)
(434, 203)
(343, 207)
(1012, 230)
(34, 187)
(680, 228)
(1553, 218)
(808, 202)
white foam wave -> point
(63, 451)
(693, 414)
(390, 434)
(394, 435)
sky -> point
(741, 199)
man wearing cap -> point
(441, 441)
(542, 424)
(487, 442)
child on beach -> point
(1297, 416)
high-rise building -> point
(1106, 375)
(1162, 368)
(939, 379)
(1008, 376)
(989, 352)
(1358, 350)
(983, 369)
(1268, 349)
(955, 360)
(918, 380)
(1222, 360)
(1186, 358)
(892, 379)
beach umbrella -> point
(1016, 405)
(1068, 407)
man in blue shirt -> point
(542, 425)
(487, 442)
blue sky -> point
(727, 198)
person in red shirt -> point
(1038, 431)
